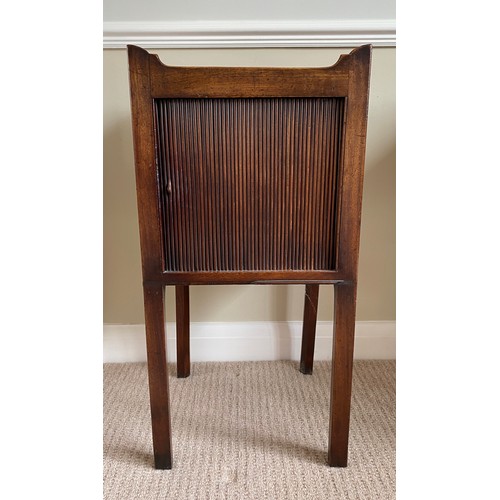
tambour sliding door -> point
(249, 184)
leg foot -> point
(163, 462)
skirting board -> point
(250, 341)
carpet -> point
(250, 430)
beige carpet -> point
(249, 431)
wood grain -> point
(145, 163)
(182, 330)
(309, 329)
(248, 184)
(158, 375)
(250, 175)
(341, 382)
(213, 82)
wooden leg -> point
(309, 329)
(182, 326)
(158, 375)
(340, 399)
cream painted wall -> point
(122, 270)
(168, 10)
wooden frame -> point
(346, 82)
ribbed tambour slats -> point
(248, 184)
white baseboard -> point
(250, 341)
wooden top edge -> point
(363, 51)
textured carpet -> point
(249, 431)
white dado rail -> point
(248, 34)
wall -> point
(188, 10)
(122, 271)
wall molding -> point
(250, 341)
(250, 34)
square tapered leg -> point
(342, 363)
(182, 330)
(309, 329)
(158, 375)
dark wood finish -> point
(340, 399)
(353, 161)
(158, 375)
(309, 329)
(251, 175)
(146, 71)
(145, 163)
(250, 277)
(212, 82)
(251, 186)
(182, 328)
